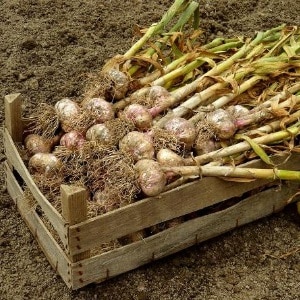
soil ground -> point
(47, 49)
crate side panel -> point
(12, 186)
(180, 201)
(129, 257)
(49, 246)
(15, 160)
(148, 212)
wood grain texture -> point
(51, 213)
(13, 116)
(178, 202)
(55, 255)
(100, 268)
(74, 210)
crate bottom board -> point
(101, 267)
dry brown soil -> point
(47, 49)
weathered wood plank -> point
(13, 116)
(55, 255)
(169, 205)
(74, 210)
(13, 188)
(51, 213)
(148, 212)
(99, 268)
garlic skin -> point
(237, 111)
(138, 145)
(160, 98)
(67, 111)
(72, 140)
(139, 115)
(35, 143)
(151, 178)
(102, 109)
(222, 123)
(100, 133)
(183, 129)
(169, 158)
(44, 163)
(120, 82)
(205, 146)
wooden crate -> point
(69, 244)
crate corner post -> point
(74, 211)
(13, 116)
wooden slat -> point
(55, 255)
(13, 157)
(13, 116)
(172, 204)
(12, 185)
(74, 210)
(100, 268)
(148, 212)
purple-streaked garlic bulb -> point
(160, 98)
(67, 111)
(102, 109)
(120, 83)
(203, 146)
(183, 129)
(138, 145)
(44, 163)
(169, 158)
(35, 143)
(139, 115)
(151, 178)
(237, 110)
(222, 123)
(72, 140)
(100, 133)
